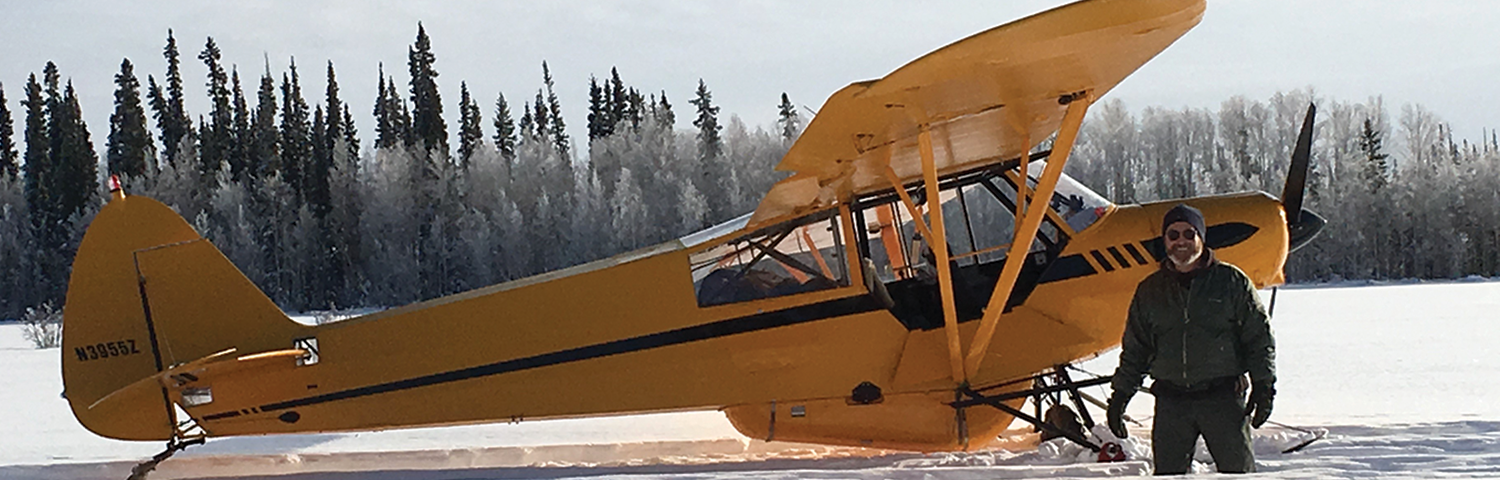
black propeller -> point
(1302, 225)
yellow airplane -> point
(850, 308)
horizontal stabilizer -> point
(204, 371)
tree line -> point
(284, 189)
(1403, 198)
(281, 185)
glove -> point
(1116, 414)
(1259, 406)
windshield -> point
(1075, 203)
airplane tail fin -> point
(147, 293)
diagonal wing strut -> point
(1026, 229)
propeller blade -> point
(1296, 177)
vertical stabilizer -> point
(147, 292)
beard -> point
(1184, 256)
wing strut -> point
(1026, 229)
(937, 240)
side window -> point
(1047, 233)
(979, 216)
(802, 255)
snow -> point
(1399, 376)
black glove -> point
(1259, 406)
(1116, 414)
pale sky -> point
(1440, 53)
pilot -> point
(1198, 328)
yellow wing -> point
(985, 98)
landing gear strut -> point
(1046, 387)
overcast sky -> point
(1440, 53)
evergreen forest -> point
(322, 216)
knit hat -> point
(1184, 213)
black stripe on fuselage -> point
(1099, 257)
(1136, 254)
(762, 321)
(1119, 258)
(1074, 266)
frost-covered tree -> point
(630, 217)
(18, 288)
(589, 221)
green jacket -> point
(1191, 332)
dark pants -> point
(1220, 419)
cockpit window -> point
(802, 255)
(1075, 203)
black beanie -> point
(1184, 213)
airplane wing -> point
(986, 98)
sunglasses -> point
(1188, 234)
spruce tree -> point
(619, 99)
(470, 131)
(8, 157)
(61, 172)
(401, 121)
(216, 141)
(427, 105)
(635, 108)
(316, 169)
(714, 179)
(385, 136)
(597, 110)
(74, 158)
(38, 171)
(557, 129)
(161, 113)
(664, 114)
(787, 120)
(52, 106)
(130, 150)
(542, 118)
(241, 140)
(351, 136)
(505, 129)
(171, 117)
(1376, 170)
(265, 151)
(710, 146)
(296, 134)
(527, 126)
(334, 122)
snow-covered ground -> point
(1401, 377)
